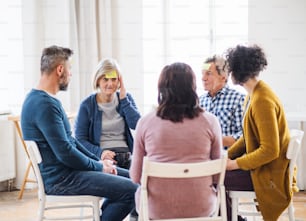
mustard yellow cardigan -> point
(265, 140)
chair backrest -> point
(293, 150)
(36, 159)
(184, 170)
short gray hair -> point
(220, 62)
(105, 66)
(52, 57)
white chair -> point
(294, 146)
(62, 202)
(184, 170)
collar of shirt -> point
(222, 91)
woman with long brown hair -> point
(178, 131)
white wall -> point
(279, 26)
(7, 151)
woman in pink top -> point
(179, 131)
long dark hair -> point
(177, 97)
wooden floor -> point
(12, 209)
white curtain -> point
(82, 25)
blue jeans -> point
(117, 191)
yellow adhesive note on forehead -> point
(112, 74)
(206, 66)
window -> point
(188, 31)
(173, 30)
(11, 56)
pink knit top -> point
(193, 140)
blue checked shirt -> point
(227, 105)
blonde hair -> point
(104, 66)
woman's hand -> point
(122, 88)
(231, 165)
(108, 155)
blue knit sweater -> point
(88, 124)
(44, 120)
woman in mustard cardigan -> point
(258, 159)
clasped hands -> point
(109, 167)
(109, 164)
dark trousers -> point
(123, 159)
(123, 156)
(236, 180)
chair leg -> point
(223, 203)
(235, 209)
(96, 210)
(41, 210)
(291, 212)
(25, 180)
(82, 212)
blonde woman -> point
(105, 117)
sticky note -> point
(112, 74)
(206, 66)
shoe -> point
(240, 218)
(133, 215)
(133, 218)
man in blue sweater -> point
(67, 167)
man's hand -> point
(109, 167)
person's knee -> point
(129, 192)
(123, 172)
